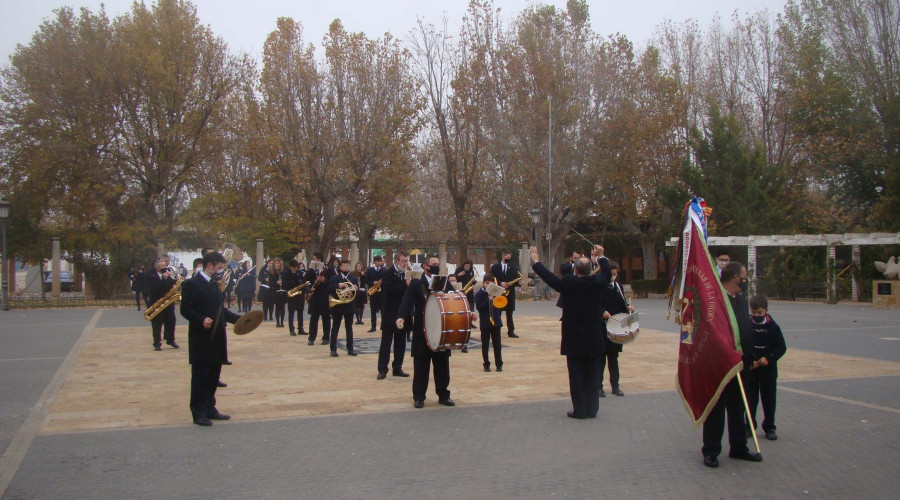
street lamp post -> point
(4, 212)
(535, 214)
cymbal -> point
(248, 322)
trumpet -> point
(297, 290)
(501, 301)
(374, 289)
(172, 296)
(345, 295)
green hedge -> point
(642, 287)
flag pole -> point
(747, 408)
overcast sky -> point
(244, 24)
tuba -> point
(232, 253)
(172, 296)
(345, 295)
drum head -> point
(434, 322)
(248, 322)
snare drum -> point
(448, 323)
(622, 328)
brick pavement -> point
(836, 413)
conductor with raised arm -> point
(583, 329)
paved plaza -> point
(91, 411)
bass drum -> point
(448, 321)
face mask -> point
(506, 259)
(759, 320)
(217, 275)
(743, 286)
(434, 269)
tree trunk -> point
(648, 245)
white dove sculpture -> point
(890, 268)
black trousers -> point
(510, 326)
(280, 300)
(391, 335)
(762, 385)
(584, 385)
(245, 302)
(421, 363)
(731, 402)
(348, 329)
(488, 336)
(314, 326)
(204, 382)
(268, 306)
(164, 326)
(375, 308)
(137, 298)
(612, 360)
(295, 305)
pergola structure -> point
(830, 241)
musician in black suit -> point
(317, 299)
(506, 272)
(266, 295)
(159, 282)
(279, 292)
(393, 286)
(202, 304)
(567, 268)
(613, 303)
(137, 284)
(376, 300)
(491, 323)
(343, 280)
(583, 329)
(246, 286)
(413, 306)
(292, 278)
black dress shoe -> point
(227, 363)
(602, 393)
(513, 335)
(572, 414)
(465, 349)
(157, 348)
(499, 368)
(220, 416)
(771, 436)
(221, 384)
(370, 331)
(351, 353)
(293, 333)
(173, 344)
(324, 341)
(711, 462)
(205, 422)
(618, 392)
(750, 456)
(446, 402)
(400, 373)
(381, 375)
(419, 403)
(334, 354)
(487, 368)
(311, 342)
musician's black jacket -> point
(318, 304)
(157, 286)
(373, 275)
(393, 286)
(201, 299)
(413, 306)
(583, 329)
(291, 279)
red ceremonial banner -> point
(707, 354)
